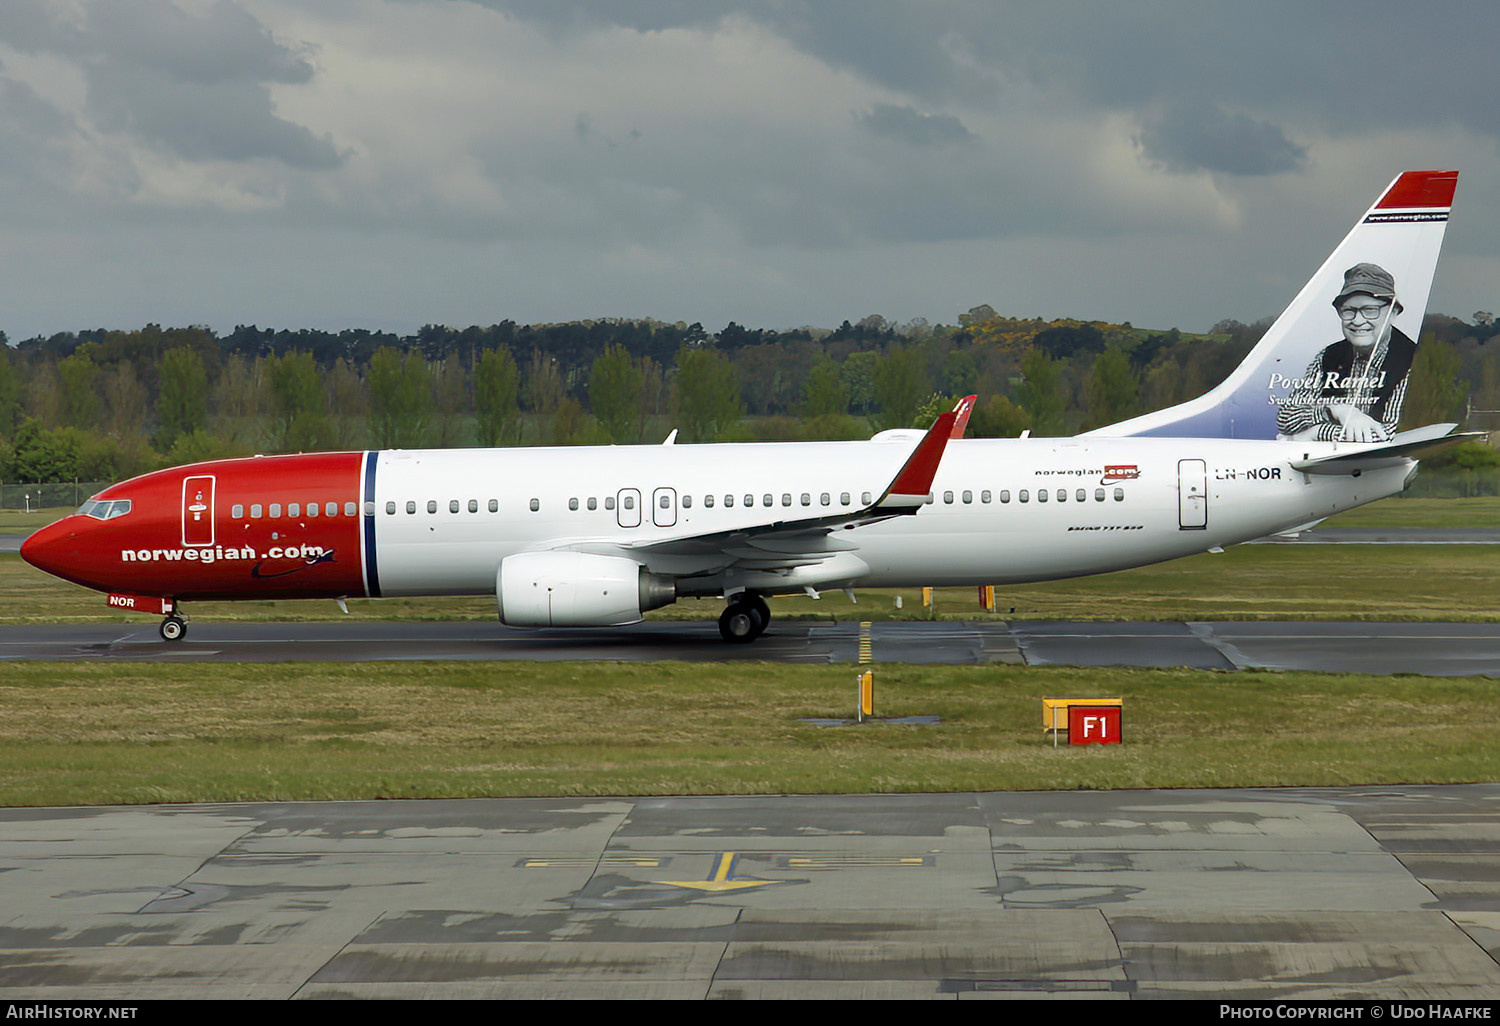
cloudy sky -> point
(392, 163)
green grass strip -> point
(112, 733)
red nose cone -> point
(56, 549)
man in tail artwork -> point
(1352, 391)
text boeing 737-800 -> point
(1304, 428)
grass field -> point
(83, 734)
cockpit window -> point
(105, 509)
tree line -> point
(107, 404)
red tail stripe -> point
(1421, 189)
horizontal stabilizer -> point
(1404, 446)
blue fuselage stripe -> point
(372, 577)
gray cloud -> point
(31, 131)
(190, 83)
(771, 161)
(1191, 137)
(1290, 60)
(912, 126)
(223, 43)
(224, 120)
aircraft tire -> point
(762, 613)
(173, 628)
(740, 624)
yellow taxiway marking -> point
(854, 861)
(720, 878)
(573, 862)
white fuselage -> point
(1110, 503)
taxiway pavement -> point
(1432, 649)
(1389, 892)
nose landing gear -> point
(173, 628)
(744, 619)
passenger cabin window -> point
(494, 505)
(1005, 495)
(473, 505)
(312, 509)
(255, 511)
(1119, 494)
(984, 496)
(237, 511)
(573, 504)
(1041, 495)
(390, 508)
(275, 510)
(432, 505)
(332, 509)
(536, 504)
(1025, 496)
(593, 502)
(294, 509)
(411, 506)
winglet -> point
(908, 491)
(962, 410)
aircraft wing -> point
(800, 541)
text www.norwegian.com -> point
(213, 555)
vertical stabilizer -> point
(1334, 366)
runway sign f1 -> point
(1094, 724)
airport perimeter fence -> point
(1452, 483)
(19, 495)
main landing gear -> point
(745, 618)
(173, 628)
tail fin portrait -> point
(1334, 366)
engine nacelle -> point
(577, 589)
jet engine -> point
(577, 589)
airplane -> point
(596, 536)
